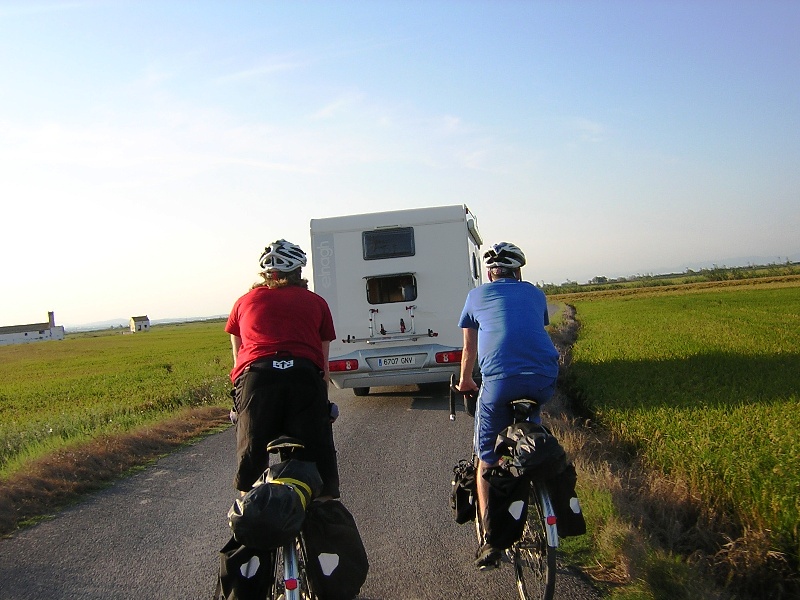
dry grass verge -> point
(56, 480)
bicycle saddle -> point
(284, 441)
(524, 407)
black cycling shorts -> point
(283, 396)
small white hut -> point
(140, 324)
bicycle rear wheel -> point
(534, 555)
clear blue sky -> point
(149, 150)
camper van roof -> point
(394, 218)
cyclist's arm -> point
(326, 351)
(469, 354)
(236, 343)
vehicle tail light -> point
(350, 364)
(453, 356)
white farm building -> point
(34, 332)
(140, 324)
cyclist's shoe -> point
(488, 558)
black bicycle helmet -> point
(282, 256)
(504, 255)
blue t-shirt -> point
(510, 317)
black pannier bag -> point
(272, 513)
(336, 559)
(570, 519)
(463, 494)
(244, 573)
(529, 449)
(508, 502)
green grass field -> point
(705, 383)
(54, 393)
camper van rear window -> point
(391, 288)
(388, 243)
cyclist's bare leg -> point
(482, 487)
(487, 556)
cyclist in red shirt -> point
(280, 334)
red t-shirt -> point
(288, 319)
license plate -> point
(390, 362)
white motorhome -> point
(396, 283)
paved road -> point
(157, 534)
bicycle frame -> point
(291, 582)
(291, 579)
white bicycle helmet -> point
(282, 256)
(504, 255)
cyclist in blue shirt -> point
(503, 323)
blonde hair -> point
(292, 278)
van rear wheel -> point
(361, 391)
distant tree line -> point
(715, 273)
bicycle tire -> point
(534, 555)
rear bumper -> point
(377, 367)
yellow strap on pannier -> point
(294, 484)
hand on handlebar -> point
(468, 389)
(467, 385)
(334, 411)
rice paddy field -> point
(704, 381)
(60, 392)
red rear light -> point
(350, 364)
(454, 356)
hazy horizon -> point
(696, 266)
